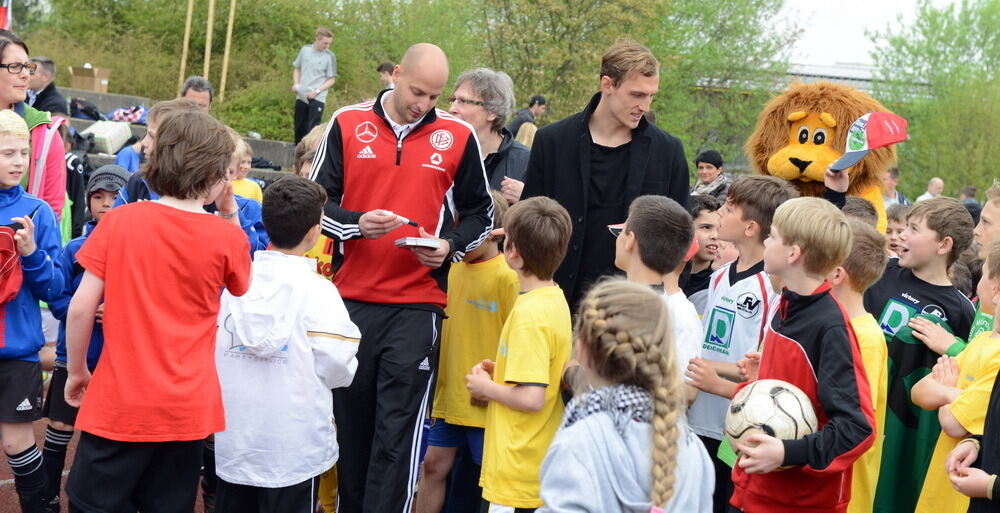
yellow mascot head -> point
(804, 130)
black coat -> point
(511, 160)
(520, 117)
(559, 167)
(50, 100)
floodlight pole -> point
(187, 39)
(208, 36)
(225, 56)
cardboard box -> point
(90, 79)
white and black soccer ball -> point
(772, 407)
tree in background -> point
(940, 73)
(720, 60)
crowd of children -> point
(210, 311)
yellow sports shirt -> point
(480, 298)
(977, 370)
(323, 253)
(874, 357)
(535, 344)
(248, 189)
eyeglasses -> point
(466, 101)
(616, 229)
(15, 67)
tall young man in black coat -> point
(597, 161)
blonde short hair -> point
(993, 193)
(626, 58)
(12, 124)
(818, 228)
(243, 148)
(315, 136)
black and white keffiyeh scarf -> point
(624, 403)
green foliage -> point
(940, 73)
(722, 61)
(719, 59)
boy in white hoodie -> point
(280, 349)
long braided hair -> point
(625, 328)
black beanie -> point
(709, 157)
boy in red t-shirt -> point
(160, 267)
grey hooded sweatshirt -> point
(600, 460)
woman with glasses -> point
(46, 172)
(484, 99)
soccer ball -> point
(772, 407)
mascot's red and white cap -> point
(871, 131)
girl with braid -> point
(600, 459)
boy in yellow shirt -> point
(243, 186)
(525, 409)
(959, 388)
(482, 290)
(862, 267)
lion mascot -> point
(804, 130)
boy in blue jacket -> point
(29, 275)
(102, 188)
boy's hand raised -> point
(702, 375)
(946, 371)
(749, 366)
(932, 334)
(766, 454)
(76, 386)
(25, 237)
(837, 181)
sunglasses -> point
(616, 229)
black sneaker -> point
(53, 506)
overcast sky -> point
(846, 21)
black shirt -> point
(605, 205)
(900, 295)
(696, 282)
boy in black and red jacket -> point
(810, 344)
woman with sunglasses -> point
(46, 176)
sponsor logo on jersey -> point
(895, 315)
(366, 132)
(482, 304)
(748, 305)
(719, 331)
(366, 153)
(441, 140)
(936, 311)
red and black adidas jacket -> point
(810, 344)
(434, 176)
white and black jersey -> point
(735, 316)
